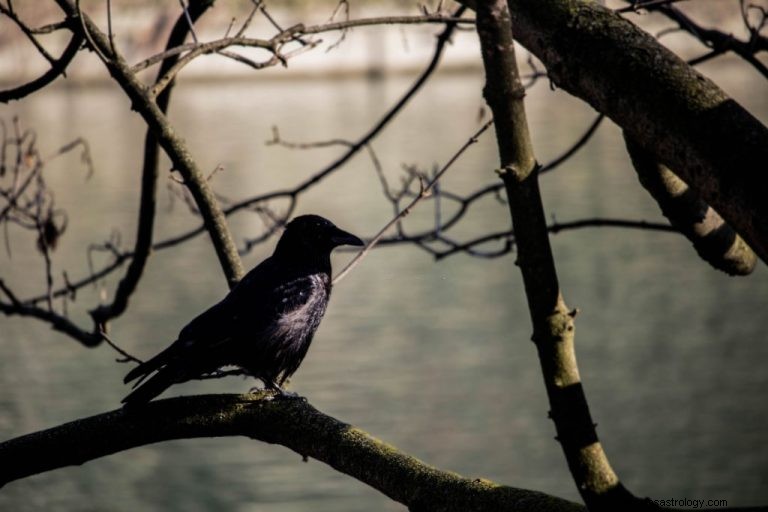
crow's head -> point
(314, 234)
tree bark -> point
(553, 323)
(670, 110)
(714, 240)
(289, 422)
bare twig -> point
(575, 147)
(110, 34)
(342, 5)
(58, 68)
(425, 191)
(637, 5)
(29, 32)
(287, 35)
(58, 322)
(188, 17)
(174, 146)
(87, 34)
(717, 41)
(147, 207)
(126, 356)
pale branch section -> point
(292, 423)
(666, 106)
(714, 240)
(174, 146)
(553, 323)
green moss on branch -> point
(293, 423)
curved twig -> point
(58, 322)
(58, 68)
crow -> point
(264, 325)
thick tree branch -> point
(172, 144)
(670, 109)
(714, 240)
(553, 323)
(289, 422)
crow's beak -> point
(341, 237)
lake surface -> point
(433, 357)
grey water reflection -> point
(432, 357)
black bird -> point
(264, 325)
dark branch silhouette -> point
(147, 207)
(293, 423)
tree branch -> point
(289, 422)
(714, 240)
(147, 206)
(719, 42)
(553, 323)
(174, 146)
(290, 194)
(58, 322)
(58, 68)
(684, 119)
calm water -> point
(432, 357)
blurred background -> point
(433, 357)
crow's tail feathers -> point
(144, 369)
(145, 391)
(155, 385)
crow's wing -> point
(217, 325)
(270, 315)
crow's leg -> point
(271, 385)
(278, 388)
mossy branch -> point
(291, 422)
(666, 106)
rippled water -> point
(434, 358)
